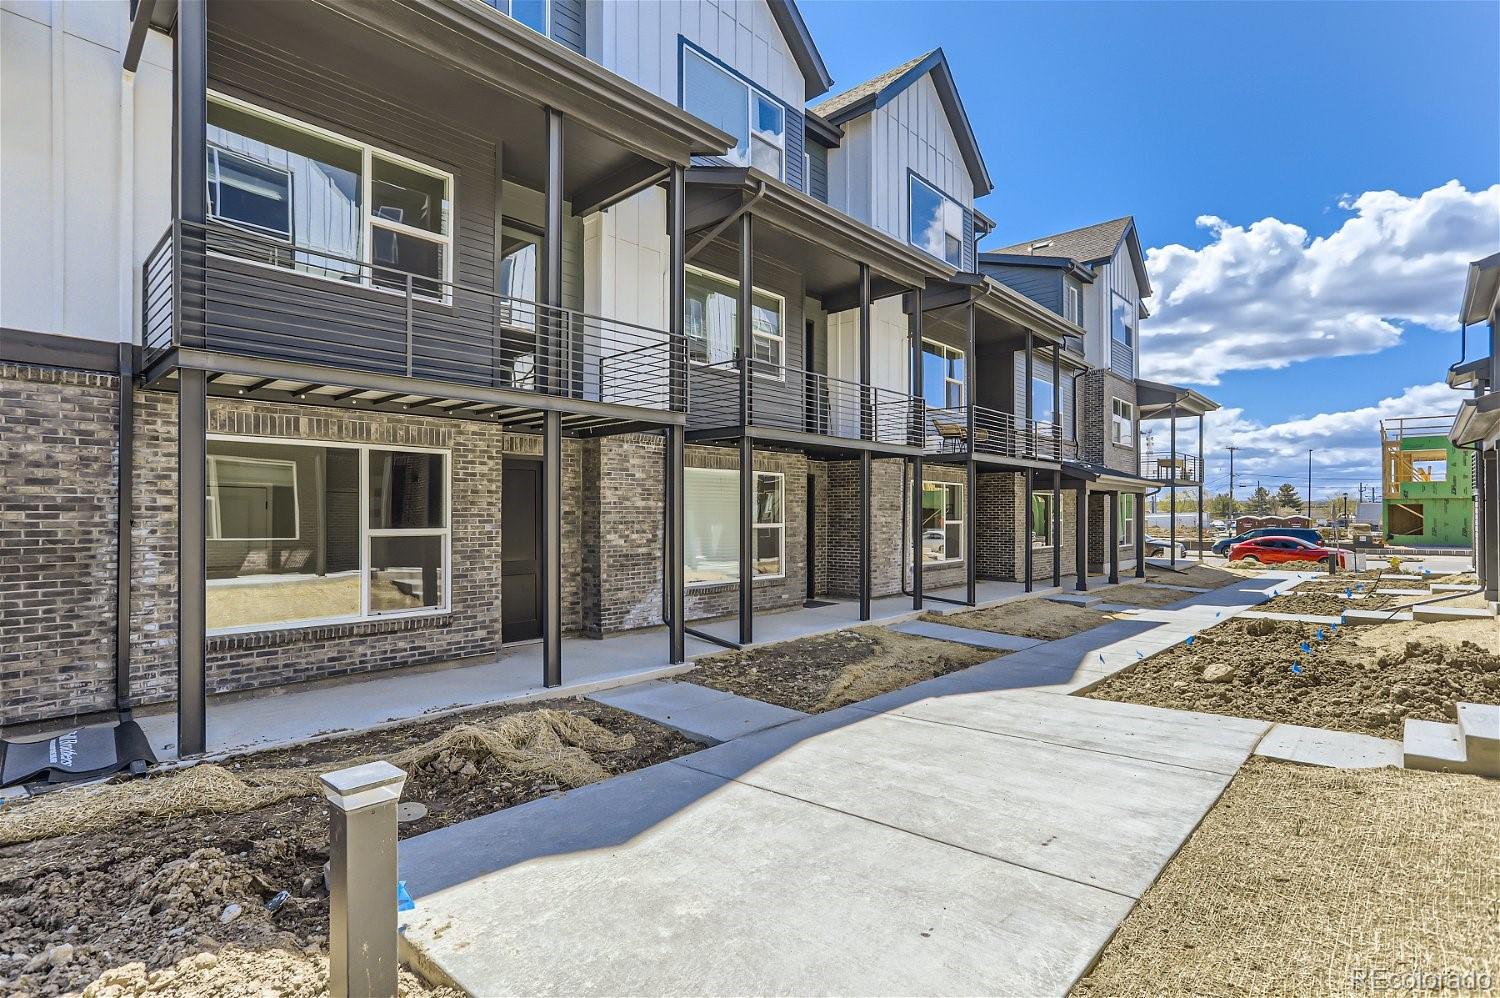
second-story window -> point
(755, 118)
(1073, 304)
(326, 205)
(1122, 423)
(942, 375)
(712, 322)
(937, 222)
(1041, 399)
(1121, 319)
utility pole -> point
(1309, 486)
(1232, 449)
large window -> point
(711, 525)
(937, 222)
(301, 533)
(1121, 319)
(942, 522)
(1121, 422)
(712, 314)
(1041, 519)
(1041, 398)
(942, 375)
(756, 119)
(347, 210)
(1127, 518)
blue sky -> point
(1244, 112)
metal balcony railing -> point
(1001, 434)
(249, 295)
(1162, 467)
(790, 398)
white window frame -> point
(1045, 382)
(755, 524)
(756, 367)
(1046, 540)
(1126, 525)
(218, 152)
(751, 91)
(1116, 417)
(1073, 304)
(215, 524)
(365, 614)
(368, 220)
(945, 200)
(945, 487)
(1130, 319)
(947, 354)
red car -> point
(1270, 550)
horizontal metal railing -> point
(996, 433)
(790, 398)
(1161, 466)
(246, 294)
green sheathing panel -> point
(1447, 506)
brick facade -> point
(58, 543)
(1002, 529)
(1100, 387)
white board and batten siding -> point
(85, 167)
(1100, 349)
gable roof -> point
(1091, 244)
(881, 90)
(789, 19)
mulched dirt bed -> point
(1244, 668)
(831, 670)
(1303, 880)
(162, 887)
(1028, 618)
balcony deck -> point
(1159, 466)
(998, 437)
(276, 319)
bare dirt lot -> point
(165, 870)
(1200, 576)
(1301, 879)
(825, 671)
(1027, 618)
(1139, 595)
(1245, 668)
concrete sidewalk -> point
(976, 833)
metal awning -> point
(1477, 422)
(1155, 400)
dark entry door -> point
(521, 551)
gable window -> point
(712, 322)
(1122, 423)
(937, 222)
(300, 533)
(755, 118)
(349, 211)
(942, 375)
(1121, 319)
(942, 522)
(711, 525)
(1041, 519)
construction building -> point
(1427, 483)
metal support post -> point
(552, 379)
(1201, 476)
(1112, 532)
(1028, 558)
(192, 487)
(1081, 539)
(865, 532)
(674, 546)
(1057, 528)
(1172, 493)
(747, 539)
(971, 531)
(916, 533)
(1138, 505)
(552, 500)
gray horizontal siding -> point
(817, 179)
(1042, 285)
(1121, 359)
(795, 136)
(567, 24)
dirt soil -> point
(825, 671)
(167, 884)
(1385, 639)
(1324, 596)
(1244, 668)
(1199, 576)
(1251, 567)
(1028, 618)
(1138, 595)
(1302, 880)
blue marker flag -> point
(1306, 648)
(403, 899)
(1190, 640)
(1297, 668)
(1319, 634)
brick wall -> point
(1002, 527)
(58, 445)
(1099, 388)
(1098, 543)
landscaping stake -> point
(362, 894)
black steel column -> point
(1057, 528)
(1172, 493)
(1081, 539)
(865, 532)
(673, 547)
(1202, 475)
(746, 316)
(1112, 533)
(971, 507)
(914, 334)
(552, 500)
(1030, 413)
(192, 487)
(866, 396)
(552, 354)
(747, 539)
(1492, 507)
(1028, 557)
(916, 533)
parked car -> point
(1159, 549)
(1302, 533)
(1271, 550)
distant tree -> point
(1260, 501)
(1222, 506)
(1287, 497)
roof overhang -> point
(1473, 374)
(1000, 304)
(822, 243)
(1078, 270)
(1106, 478)
(1154, 400)
(804, 52)
(822, 131)
(1481, 291)
(1477, 422)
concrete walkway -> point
(705, 715)
(975, 833)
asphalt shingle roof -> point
(837, 103)
(1092, 242)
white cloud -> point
(1346, 445)
(1265, 296)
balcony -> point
(788, 401)
(246, 297)
(996, 434)
(1164, 468)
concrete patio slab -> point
(965, 635)
(1436, 612)
(670, 881)
(1322, 747)
(705, 715)
(1074, 599)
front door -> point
(521, 551)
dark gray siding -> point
(795, 136)
(567, 24)
(1042, 285)
(968, 259)
(817, 178)
(1121, 359)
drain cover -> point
(411, 811)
